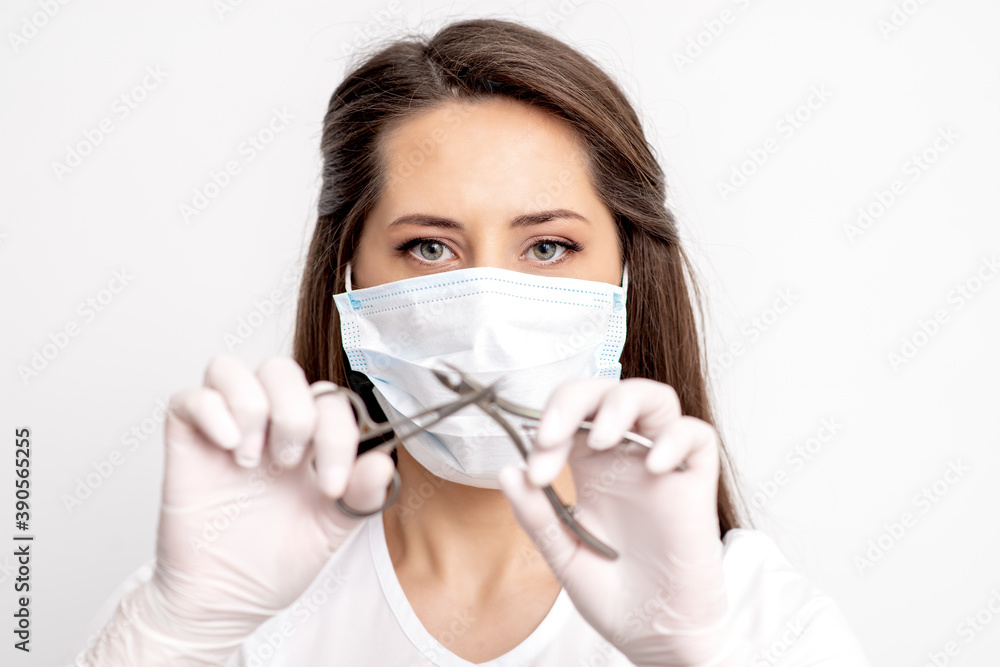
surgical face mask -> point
(531, 332)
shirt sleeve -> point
(784, 619)
(107, 611)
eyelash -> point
(570, 248)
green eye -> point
(545, 250)
(431, 250)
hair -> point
(475, 60)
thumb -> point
(369, 480)
(538, 519)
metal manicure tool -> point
(485, 398)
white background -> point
(854, 298)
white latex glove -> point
(239, 542)
(663, 601)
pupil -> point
(432, 254)
(542, 254)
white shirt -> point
(355, 614)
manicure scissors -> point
(485, 398)
(368, 428)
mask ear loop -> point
(347, 284)
(625, 277)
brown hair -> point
(475, 59)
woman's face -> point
(494, 183)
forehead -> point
(496, 149)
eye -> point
(545, 250)
(431, 250)
(552, 251)
(427, 250)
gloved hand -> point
(246, 523)
(663, 601)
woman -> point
(500, 154)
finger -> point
(245, 399)
(367, 484)
(206, 411)
(568, 405)
(689, 440)
(571, 403)
(537, 518)
(366, 489)
(641, 404)
(335, 442)
(292, 421)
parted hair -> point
(468, 61)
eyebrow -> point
(526, 220)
